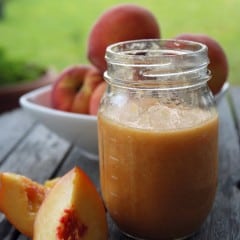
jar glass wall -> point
(158, 138)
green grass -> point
(55, 32)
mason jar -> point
(158, 138)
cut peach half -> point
(20, 199)
(51, 182)
(72, 210)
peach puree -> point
(159, 183)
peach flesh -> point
(70, 226)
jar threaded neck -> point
(162, 62)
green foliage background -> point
(54, 32)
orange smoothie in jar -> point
(159, 178)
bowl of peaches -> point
(69, 106)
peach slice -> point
(20, 199)
(72, 210)
(51, 182)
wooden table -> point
(28, 148)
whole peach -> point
(120, 23)
(96, 98)
(218, 59)
(73, 87)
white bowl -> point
(79, 129)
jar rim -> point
(159, 61)
(136, 49)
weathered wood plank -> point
(235, 100)
(12, 234)
(78, 158)
(22, 237)
(38, 155)
(5, 227)
(224, 221)
(12, 130)
(7, 231)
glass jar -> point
(158, 138)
